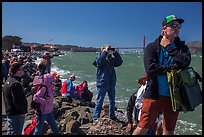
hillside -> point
(195, 47)
(60, 47)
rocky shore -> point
(76, 119)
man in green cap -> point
(167, 52)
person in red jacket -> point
(83, 92)
(64, 88)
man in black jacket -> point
(167, 52)
(135, 103)
(15, 100)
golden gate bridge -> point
(138, 47)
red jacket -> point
(64, 88)
(81, 88)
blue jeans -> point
(15, 124)
(49, 117)
(100, 99)
(48, 68)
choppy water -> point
(132, 68)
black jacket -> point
(131, 108)
(42, 68)
(181, 59)
(14, 98)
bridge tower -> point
(117, 49)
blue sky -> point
(91, 24)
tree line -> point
(9, 42)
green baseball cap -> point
(171, 18)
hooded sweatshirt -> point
(46, 104)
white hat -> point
(46, 52)
(72, 77)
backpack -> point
(29, 130)
(36, 105)
(185, 90)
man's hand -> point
(129, 127)
(165, 41)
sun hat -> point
(140, 80)
(54, 74)
(72, 77)
(171, 18)
(144, 76)
(46, 52)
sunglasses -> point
(174, 26)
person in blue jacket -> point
(71, 88)
(106, 79)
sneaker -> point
(95, 121)
(115, 118)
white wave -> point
(63, 73)
(186, 123)
(61, 55)
(92, 86)
(184, 127)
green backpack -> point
(185, 90)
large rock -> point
(76, 119)
(72, 127)
(106, 126)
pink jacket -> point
(46, 105)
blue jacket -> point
(70, 88)
(106, 75)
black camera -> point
(112, 49)
(94, 63)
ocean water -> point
(80, 64)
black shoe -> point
(114, 118)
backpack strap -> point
(198, 77)
(46, 91)
(170, 77)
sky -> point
(92, 24)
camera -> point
(94, 63)
(112, 49)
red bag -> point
(29, 130)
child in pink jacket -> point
(46, 105)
